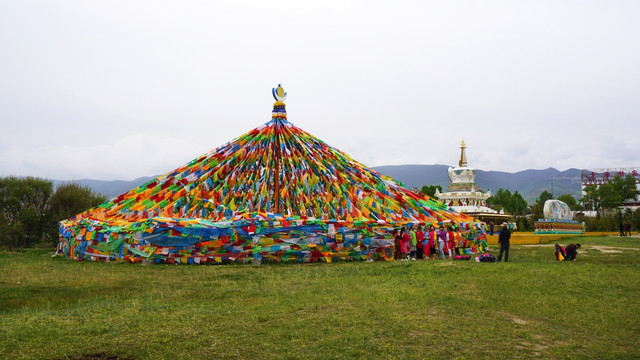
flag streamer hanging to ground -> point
(276, 192)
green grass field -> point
(531, 307)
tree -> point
(590, 200)
(571, 201)
(617, 190)
(70, 199)
(502, 198)
(512, 203)
(609, 197)
(518, 205)
(537, 209)
(628, 187)
(611, 194)
(635, 219)
(430, 190)
(23, 203)
(10, 233)
(544, 196)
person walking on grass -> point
(572, 251)
(442, 238)
(503, 239)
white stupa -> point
(464, 196)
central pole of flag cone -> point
(278, 112)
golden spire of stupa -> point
(463, 156)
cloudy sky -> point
(123, 89)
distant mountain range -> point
(110, 188)
(529, 183)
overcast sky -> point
(123, 89)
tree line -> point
(611, 195)
(30, 209)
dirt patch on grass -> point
(520, 321)
(535, 348)
(432, 314)
(436, 314)
(609, 249)
(446, 262)
(513, 318)
(538, 346)
(469, 291)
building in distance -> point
(464, 196)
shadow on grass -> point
(96, 356)
(53, 296)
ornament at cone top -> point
(279, 94)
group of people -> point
(567, 254)
(510, 226)
(625, 229)
(420, 243)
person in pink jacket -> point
(430, 246)
(405, 238)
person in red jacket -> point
(420, 243)
(451, 242)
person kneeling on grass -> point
(571, 251)
(560, 253)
